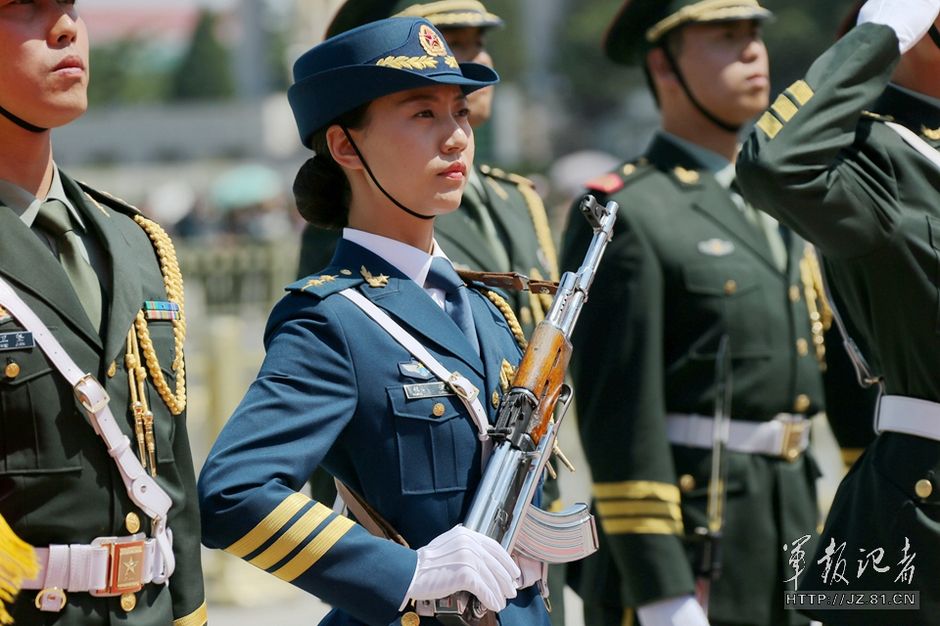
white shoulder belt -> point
(142, 489)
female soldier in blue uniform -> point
(384, 108)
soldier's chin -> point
(59, 114)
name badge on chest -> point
(427, 390)
(19, 340)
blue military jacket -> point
(331, 391)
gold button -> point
(794, 293)
(802, 347)
(730, 287)
(112, 369)
(495, 399)
(438, 409)
(923, 488)
(791, 454)
(686, 483)
(128, 601)
(801, 403)
(345, 272)
(132, 522)
(410, 619)
(12, 370)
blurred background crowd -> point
(189, 121)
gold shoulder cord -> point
(507, 312)
(820, 313)
(173, 282)
(143, 416)
(542, 231)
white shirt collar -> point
(410, 261)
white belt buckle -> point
(126, 561)
(85, 400)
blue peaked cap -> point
(371, 61)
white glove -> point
(532, 570)
(464, 560)
(681, 611)
(910, 19)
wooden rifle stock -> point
(542, 372)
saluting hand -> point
(910, 19)
(464, 560)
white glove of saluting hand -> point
(464, 560)
(910, 19)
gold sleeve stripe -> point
(641, 526)
(627, 619)
(267, 527)
(312, 552)
(801, 92)
(769, 124)
(295, 535)
(784, 108)
(637, 490)
(199, 617)
(646, 508)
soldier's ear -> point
(659, 68)
(342, 149)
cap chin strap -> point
(935, 35)
(21, 122)
(378, 184)
(714, 119)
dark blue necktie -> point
(456, 302)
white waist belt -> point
(911, 416)
(109, 566)
(785, 436)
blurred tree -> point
(127, 71)
(205, 71)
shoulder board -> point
(103, 197)
(327, 282)
(495, 172)
(614, 181)
(877, 116)
(686, 177)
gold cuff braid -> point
(199, 617)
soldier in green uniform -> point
(501, 225)
(848, 157)
(85, 270)
(690, 263)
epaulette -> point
(686, 177)
(495, 172)
(334, 279)
(104, 198)
(614, 181)
(877, 116)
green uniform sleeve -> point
(617, 367)
(807, 163)
(186, 588)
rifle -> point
(709, 562)
(525, 437)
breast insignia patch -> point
(716, 247)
